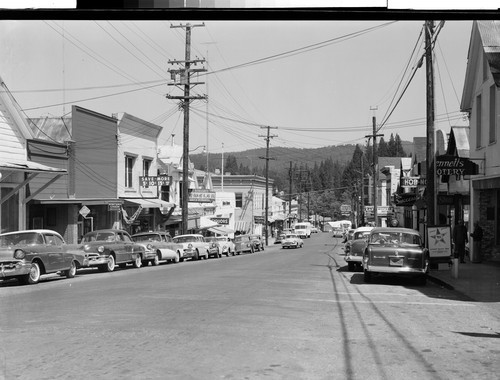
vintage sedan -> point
(398, 251)
(27, 255)
(257, 242)
(226, 244)
(354, 252)
(194, 246)
(159, 246)
(242, 243)
(108, 247)
(279, 238)
(292, 241)
(215, 250)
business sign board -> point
(114, 206)
(439, 241)
(447, 165)
(202, 196)
(381, 210)
(150, 181)
(259, 220)
(224, 221)
(412, 182)
(345, 208)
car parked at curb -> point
(348, 237)
(226, 244)
(215, 249)
(257, 242)
(194, 246)
(243, 243)
(292, 241)
(28, 255)
(109, 247)
(159, 246)
(396, 251)
(279, 238)
(354, 254)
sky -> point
(316, 83)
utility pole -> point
(375, 164)
(431, 147)
(290, 196)
(184, 73)
(267, 158)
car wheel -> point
(350, 266)
(196, 256)
(252, 250)
(156, 260)
(137, 262)
(33, 276)
(71, 272)
(176, 258)
(110, 266)
(367, 276)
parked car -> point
(354, 257)
(194, 246)
(28, 255)
(242, 243)
(226, 244)
(159, 246)
(314, 230)
(214, 250)
(257, 242)
(398, 251)
(348, 240)
(109, 247)
(292, 241)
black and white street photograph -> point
(205, 191)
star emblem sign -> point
(439, 236)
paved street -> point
(277, 314)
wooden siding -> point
(13, 143)
(95, 152)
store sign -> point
(224, 221)
(345, 208)
(450, 165)
(258, 220)
(150, 181)
(412, 182)
(114, 206)
(202, 196)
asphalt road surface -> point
(276, 314)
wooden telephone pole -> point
(375, 165)
(267, 158)
(182, 77)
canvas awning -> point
(150, 203)
(205, 223)
(221, 230)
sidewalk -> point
(478, 281)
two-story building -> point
(480, 99)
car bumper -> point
(93, 261)
(288, 245)
(396, 270)
(14, 269)
(354, 259)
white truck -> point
(303, 229)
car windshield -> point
(149, 237)
(290, 236)
(99, 236)
(25, 238)
(395, 238)
(185, 239)
(361, 234)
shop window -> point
(165, 193)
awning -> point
(30, 166)
(242, 226)
(205, 223)
(150, 203)
(221, 230)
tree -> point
(231, 165)
(382, 148)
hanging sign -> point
(451, 165)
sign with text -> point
(412, 182)
(345, 208)
(451, 165)
(381, 210)
(439, 241)
(202, 196)
(114, 206)
(258, 220)
(150, 181)
(224, 221)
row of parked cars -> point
(27, 255)
(387, 250)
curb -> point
(440, 282)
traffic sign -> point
(84, 211)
